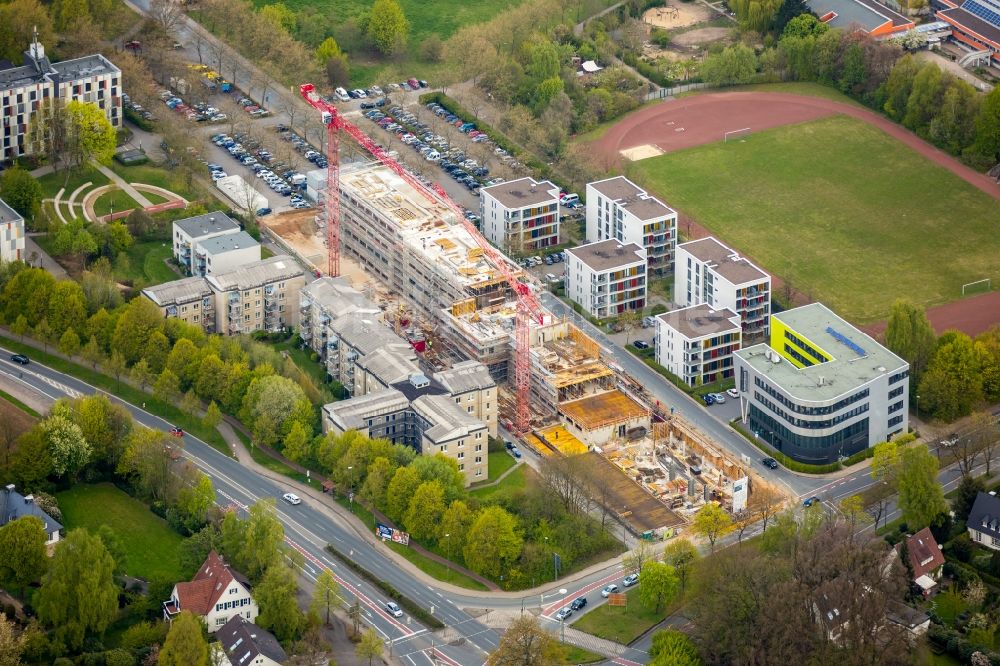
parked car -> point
(719, 397)
(609, 590)
(640, 344)
(176, 432)
(393, 609)
(733, 393)
(708, 398)
(516, 452)
(769, 462)
(563, 613)
(291, 498)
(509, 444)
(630, 580)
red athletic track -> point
(706, 118)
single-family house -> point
(244, 643)
(984, 521)
(216, 594)
(14, 505)
(925, 559)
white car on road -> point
(393, 609)
(291, 498)
(609, 590)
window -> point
(479, 447)
(221, 621)
(896, 407)
(479, 459)
(896, 392)
(899, 376)
(895, 420)
(461, 455)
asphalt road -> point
(310, 526)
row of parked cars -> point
(137, 108)
(467, 127)
(548, 260)
(252, 108)
(719, 398)
(199, 112)
(302, 146)
(579, 603)
(375, 91)
(248, 152)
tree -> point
(493, 542)
(255, 543)
(135, 325)
(12, 643)
(673, 648)
(525, 643)
(18, 19)
(909, 335)
(70, 450)
(965, 496)
(279, 610)
(69, 343)
(792, 9)
(853, 509)
(425, 511)
(921, 497)
(21, 192)
(185, 644)
(91, 134)
(454, 527)
(146, 462)
(338, 71)
(885, 461)
(369, 646)
(326, 595)
(952, 385)
(142, 375)
(764, 503)
(682, 555)
(388, 28)
(660, 584)
(20, 327)
(194, 501)
(402, 487)
(78, 593)
(22, 552)
(213, 416)
(711, 522)
(43, 332)
(271, 405)
(167, 15)
(987, 142)
(985, 434)
(380, 473)
(167, 386)
(298, 443)
(327, 50)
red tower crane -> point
(528, 307)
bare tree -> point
(966, 451)
(167, 15)
(742, 521)
(199, 44)
(985, 430)
(637, 557)
(876, 500)
(562, 476)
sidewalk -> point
(43, 259)
(122, 185)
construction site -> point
(455, 298)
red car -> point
(176, 432)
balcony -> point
(172, 311)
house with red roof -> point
(925, 558)
(216, 594)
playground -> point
(677, 15)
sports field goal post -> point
(987, 281)
(735, 133)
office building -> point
(707, 272)
(521, 216)
(618, 209)
(11, 234)
(607, 278)
(697, 343)
(821, 390)
(24, 89)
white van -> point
(570, 199)
(342, 95)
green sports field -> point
(851, 216)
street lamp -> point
(350, 496)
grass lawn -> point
(7, 397)
(152, 548)
(869, 214)
(622, 625)
(436, 569)
(147, 264)
(53, 182)
(572, 654)
(948, 605)
(115, 200)
(150, 174)
(154, 198)
(499, 462)
(515, 480)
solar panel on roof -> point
(844, 340)
(983, 10)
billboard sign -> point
(385, 532)
(618, 599)
(740, 493)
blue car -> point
(261, 212)
(812, 500)
(708, 398)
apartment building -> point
(706, 271)
(92, 79)
(470, 385)
(11, 234)
(697, 343)
(618, 209)
(191, 300)
(259, 296)
(189, 232)
(521, 216)
(607, 278)
(353, 337)
(417, 412)
(822, 389)
(384, 367)
(220, 254)
(323, 300)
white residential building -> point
(191, 300)
(215, 595)
(697, 343)
(191, 231)
(225, 253)
(521, 216)
(618, 209)
(260, 296)
(11, 234)
(607, 278)
(93, 79)
(706, 271)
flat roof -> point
(523, 192)
(857, 357)
(209, 223)
(966, 19)
(256, 274)
(8, 214)
(389, 365)
(698, 321)
(865, 13)
(602, 409)
(466, 376)
(218, 244)
(336, 297)
(608, 255)
(178, 291)
(632, 198)
(367, 333)
(724, 260)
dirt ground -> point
(972, 316)
(14, 420)
(701, 36)
(677, 15)
(645, 511)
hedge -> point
(793, 465)
(138, 120)
(411, 606)
(958, 645)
